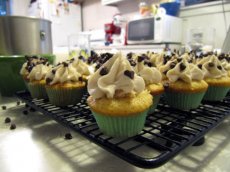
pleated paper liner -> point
(216, 93)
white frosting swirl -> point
(115, 80)
(39, 72)
(63, 74)
(24, 70)
(151, 75)
(81, 67)
(225, 64)
(189, 73)
(214, 71)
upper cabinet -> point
(111, 2)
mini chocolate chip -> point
(140, 58)
(32, 110)
(200, 66)
(7, 120)
(182, 67)
(129, 55)
(132, 62)
(166, 85)
(3, 107)
(190, 61)
(165, 72)
(12, 126)
(48, 80)
(98, 66)
(35, 57)
(129, 74)
(179, 60)
(210, 64)
(25, 112)
(104, 71)
(47, 64)
(219, 67)
(150, 64)
(172, 65)
(53, 72)
(18, 103)
(65, 64)
(80, 78)
(26, 105)
(68, 136)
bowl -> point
(10, 78)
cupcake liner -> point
(216, 93)
(119, 126)
(65, 97)
(37, 90)
(184, 101)
(156, 100)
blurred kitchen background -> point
(103, 22)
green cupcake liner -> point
(37, 91)
(216, 93)
(122, 127)
(183, 101)
(65, 97)
(156, 100)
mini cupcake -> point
(117, 98)
(185, 86)
(217, 78)
(152, 78)
(36, 84)
(64, 85)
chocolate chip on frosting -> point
(129, 55)
(132, 62)
(200, 66)
(140, 58)
(65, 64)
(219, 67)
(166, 85)
(179, 60)
(104, 71)
(53, 72)
(210, 64)
(80, 78)
(129, 74)
(48, 80)
(182, 67)
(172, 65)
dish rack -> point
(167, 131)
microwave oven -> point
(164, 29)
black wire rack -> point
(166, 133)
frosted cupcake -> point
(64, 85)
(152, 78)
(185, 86)
(217, 78)
(117, 98)
(36, 84)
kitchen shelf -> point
(167, 132)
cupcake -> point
(185, 87)
(36, 84)
(152, 78)
(217, 78)
(118, 99)
(64, 85)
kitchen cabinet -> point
(111, 2)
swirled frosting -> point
(115, 78)
(63, 73)
(225, 64)
(151, 75)
(213, 68)
(185, 72)
(81, 67)
(39, 72)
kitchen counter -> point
(38, 145)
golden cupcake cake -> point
(152, 78)
(184, 87)
(216, 77)
(64, 85)
(118, 99)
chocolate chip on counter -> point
(219, 67)
(7, 120)
(53, 72)
(68, 136)
(48, 80)
(104, 71)
(12, 126)
(25, 112)
(172, 65)
(210, 64)
(129, 74)
(32, 110)
(140, 58)
(3, 107)
(182, 67)
(166, 85)
(80, 78)
(18, 103)
(200, 66)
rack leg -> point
(199, 142)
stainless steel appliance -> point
(162, 29)
(25, 35)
